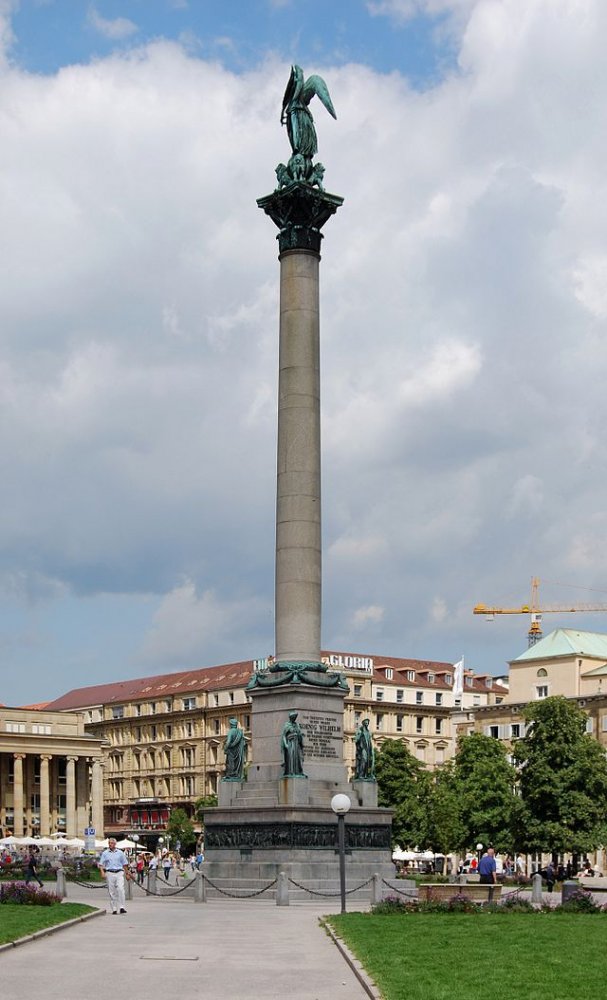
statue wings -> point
(297, 90)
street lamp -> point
(340, 805)
(479, 848)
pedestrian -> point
(521, 867)
(140, 869)
(549, 876)
(487, 867)
(114, 867)
(167, 864)
(31, 868)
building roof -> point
(236, 675)
(566, 642)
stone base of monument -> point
(272, 822)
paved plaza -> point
(224, 949)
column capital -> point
(300, 211)
(71, 757)
(46, 756)
(19, 756)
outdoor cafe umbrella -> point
(126, 844)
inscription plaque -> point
(323, 736)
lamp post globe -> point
(340, 804)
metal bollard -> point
(200, 889)
(282, 889)
(128, 889)
(536, 888)
(152, 882)
(61, 888)
(376, 890)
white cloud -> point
(115, 28)
(463, 323)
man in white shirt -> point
(114, 866)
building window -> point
(431, 678)
(217, 726)
(168, 705)
(188, 729)
(389, 673)
(476, 699)
(542, 691)
(189, 704)
(15, 727)
(247, 721)
(137, 734)
(216, 700)
(515, 731)
(419, 697)
(400, 696)
(542, 672)
(494, 732)
(358, 690)
(154, 732)
(137, 710)
(118, 712)
(589, 725)
(439, 698)
(358, 715)
(399, 723)
(438, 726)
(411, 675)
(498, 701)
(168, 729)
(379, 694)
(439, 755)
(231, 696)
(379, 722)
(468, 681)
(488, 682)
(41, 730)
(605, 723)
(448, 678)
(419, 724)
(152, 708)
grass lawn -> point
(16, 920)
(515, 956)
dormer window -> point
(411, 675)
(448, 679)
(488, 682)
(431, 678)
(389, 673)
(469, 682)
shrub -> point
(580, 901)
(27, 895)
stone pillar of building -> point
(70, 796)
(18, 795)
(45, 795)
(97, 797)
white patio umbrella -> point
(45, 842)
(25, 841)
(126, 844)
(74, 842)
(8, 841)
(100, 844)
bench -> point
(443, 891)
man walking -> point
(487, 867)
(114, 867)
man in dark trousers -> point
(487, 867)
(31, 869)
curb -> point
(359, 971)
(50, 930)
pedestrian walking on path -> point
(114, 867)
(31, 869)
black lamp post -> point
(340, 804)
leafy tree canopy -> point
(563, 779)
(481, 781)
(181, 829)
(404, 786)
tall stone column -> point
(70, 796)
(299, 210)
(18, 795)
(97, 796)
(45, 802)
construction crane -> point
(533, 608)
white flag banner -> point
(458, 678)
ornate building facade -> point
(50, 773)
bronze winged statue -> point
(296, 113)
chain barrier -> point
(318, 892)
(412, 893)
(176, 892)
(235, 895)
(85, 885)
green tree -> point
(445, 829)
(404, 786)
(563, 779)
(482, 782)
(181, 829)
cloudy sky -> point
(464, 317)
